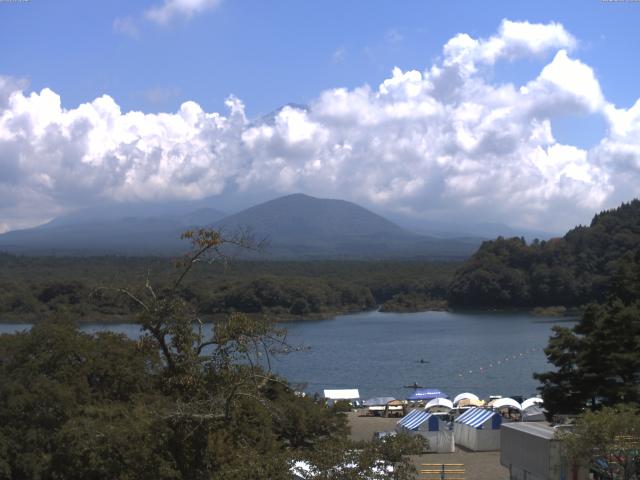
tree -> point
(185, 401)
(608, 440)
(598, 360)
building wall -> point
(531, 457)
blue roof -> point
(426, 394)
(476, 417)
(415, 418)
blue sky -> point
(273, 53)
(269, 54)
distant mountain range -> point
(295, 226)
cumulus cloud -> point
(444, 142)
(173, 9)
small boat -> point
(414, 385)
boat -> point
(414, 385)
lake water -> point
(379, 353)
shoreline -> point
(541, 312)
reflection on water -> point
(379, 353)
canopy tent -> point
(530, 402)
(470, 402)
(478, 429)
(377, 401)
(426, 394)
(437, 432)
(506, 402)
(439, 402)
(465, 395)
(345, 394)
(383, 406)
(533, 414)
(394, 407)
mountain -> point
(587, 264)
(296, 226)
(299, 225)
(136, 229)
(483, 230)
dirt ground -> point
(477, 465)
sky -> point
(525, 113)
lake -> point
(379, 353)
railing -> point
(442, 471)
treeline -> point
(579, 268)
(91, 288)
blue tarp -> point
(426, 394)
(476, 417)
(415, 418)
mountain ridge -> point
(297, 225)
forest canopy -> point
(570, 271)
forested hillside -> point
(579, 268)
(32, 288)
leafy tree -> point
(597, 361)
(570, 271)
(608, 440)
(185, 401)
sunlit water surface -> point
(380, 353)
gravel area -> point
(477, 465)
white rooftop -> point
(345, 394)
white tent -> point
(439, 402)
(533, 413)
(437, 432)
(478, 429)
(530, 402)
(467, 395)
(506, 402)
(345, 394)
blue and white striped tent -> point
(478, 429)
(420, 420)
(428, 425)
(478, 418)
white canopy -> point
(529, 402)
(470, 396)
(347, 394)
(506, 402)
(439, 402)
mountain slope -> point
(585, 265)
(299, 225)
(296, 226)
(132, 231)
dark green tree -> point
(598, 360)
(608, 441)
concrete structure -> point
(531, 452)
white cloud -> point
(172, 9)
(393, 36)
(126, 26)
(445, 141)
(160, 95)
(339, 55)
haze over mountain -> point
(300, 225)
(133, 229)
(296, 226)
